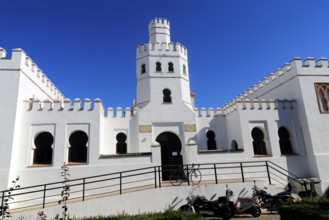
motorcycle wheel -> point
(226, 215)
(255, 211)
(185, 208)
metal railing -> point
(40, 196)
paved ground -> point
(262, 217)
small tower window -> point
(322, 91)
(158, 67)
(285, 143)
(166, 96)
(184, 69)
(121, 143)
(78, 147)
(170, 67)
(211, 142)
(43, 152)
(143, 68)
(258, 141)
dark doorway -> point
(171, 147)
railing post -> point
(188, 175)
(120, 183)
(242, 174)
(215, 169)
(83, 189)
(268, 173)
(44, 196)
(155, 177)
(2, 199)
(159, 174)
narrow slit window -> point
(170, 67)
(158, 67)
(143, 69)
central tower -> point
(162, 69)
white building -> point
(283, 118)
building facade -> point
(283, 118)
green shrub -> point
(167, 215)
(316, 208)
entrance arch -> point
(171, 148)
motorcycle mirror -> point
(213, 196)
(242, 191)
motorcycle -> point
(272, 202)
(244, 205)
(208, 208)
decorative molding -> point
(220, 151)
(113, 156)
(190, 127)
(145, 129)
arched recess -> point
(43, 152)
(258, 143)
(78, 147)
(285, 143)
(211, 142)
(234, 145)
(121, 143)
(171, 157)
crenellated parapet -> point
(168, 49)
(210, 112)
(259, 105)
(63, 105)
(20, 61)
(121, 113)
(295, 67)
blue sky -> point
(87, 47)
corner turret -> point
(159, 30)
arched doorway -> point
(171, 147)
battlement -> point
(210, 112)
(119, 113)
(258, 104)
(289, 70)
(64, 105)
(153, 48)
(20, 61)
(159, 22)
(246, 104)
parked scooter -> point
(208, 208)
(272, 202)
(244, 205)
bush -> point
(167, 215)
(316, 208)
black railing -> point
(117, 183)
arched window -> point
(166, 96)
(211, 142)
(234, 145)
(322, 92)
(121, 143)
(285, 143)
(258, 141)
(143, 68)
(43, 152)
(170, 67)
(158, 67)
(184, 69)
(78, 147)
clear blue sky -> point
(87, 47)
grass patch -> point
(312, 208)
(166, 215)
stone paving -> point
(262, 217)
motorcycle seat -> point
(244, 199)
